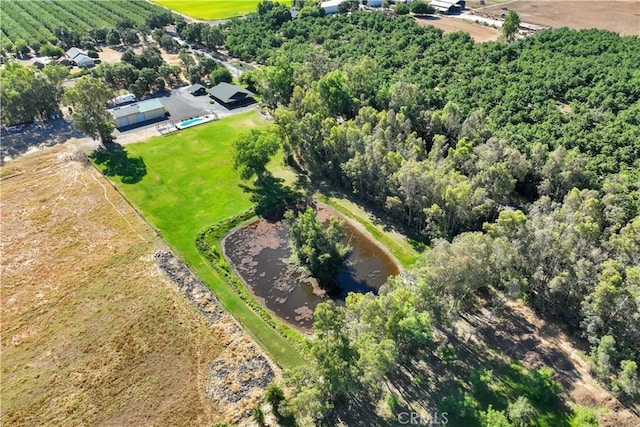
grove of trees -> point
(519, 164)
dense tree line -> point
(518, 162)
(27, 93)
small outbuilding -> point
(63, 60)
(197, 89)
(231, 96)
(40, 63)
(138, 113)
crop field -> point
(212, 9)
(92, 332)
(183, 183)
(621, 16)
(36, 20)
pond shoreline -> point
(259, 252)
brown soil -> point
(621, 16)
(512, 330)
(478, 32)
(92, 332)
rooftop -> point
(227, 92)
(138, 107)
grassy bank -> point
(184, 183)
(397, 244)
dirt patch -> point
(513, 330)
(93, 331)
(621, 16)
(479, 33)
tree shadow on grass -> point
(271, 197)
(115, 161)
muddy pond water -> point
(260, 254)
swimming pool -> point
(191, 122)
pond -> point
(260, 252)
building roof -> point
(74, 51)
(84, 61)
(330, 3)
(43, 60)
(138, 107)
(227, 92)
(444, 5)
(195, 88)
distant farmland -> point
(213, 9)
(36, 20)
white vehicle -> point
(125, 99)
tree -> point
(219, 75)
(494, 418)
(252, 152)
(521, 413)
(318, 248)
(258, 415)
(88, 99)
(21, 47)
(602, 356)
(348, 6)
(510, 25)
(627, 382)
(129, 36)
(422, 8)
(48, 49)
(113, 37)
(274, 396)
(401, 9)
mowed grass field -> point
(189, 185)
(213, 9)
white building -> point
(331, 6)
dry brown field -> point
(93, 333)
(621, 16)
(478, 32)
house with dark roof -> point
(197, 89)
(138, 113)
(231, 96)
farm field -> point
(92, 332)
(478, 32)
(621, 16)
(190, 185)
(36, 20)
(211, 9)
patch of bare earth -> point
(479, 33)
(515, 331)
(93, 332)
(621, 16)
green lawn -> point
(183, 183)
(213, 9)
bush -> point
(92, 53)
(401, 9)
(422, 8)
